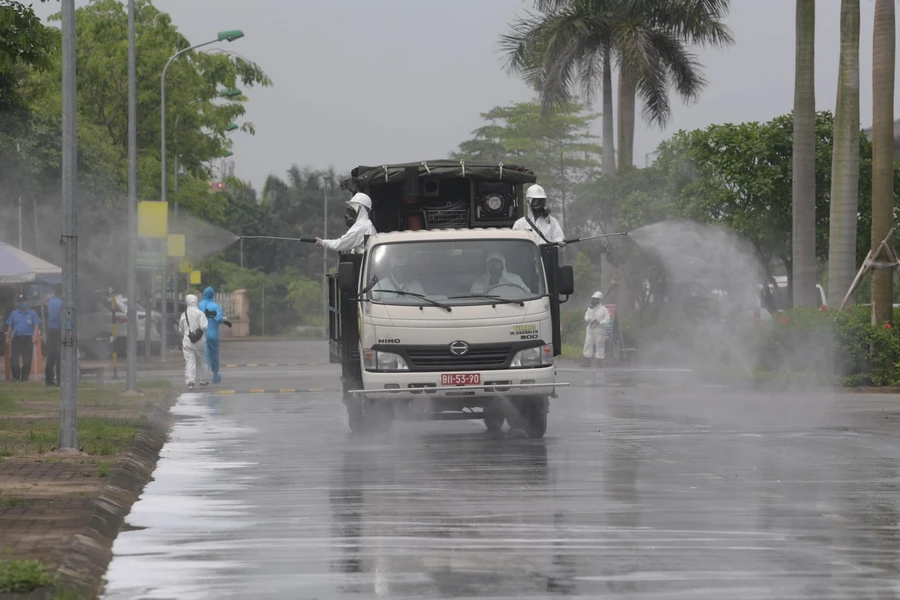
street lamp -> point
(223, 36)
(232, 127)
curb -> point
(90, 552)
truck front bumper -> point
(406, 385)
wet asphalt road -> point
(663, 490)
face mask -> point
(350, 216)
(594, 302)
(537, 206)
(495, 270)
(22, 306)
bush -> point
(843, 348)
(23, 576)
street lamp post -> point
(131, 285)
(325, 259)
(223, 36)
(68, 393)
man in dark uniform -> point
(21, 326)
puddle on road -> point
(182, 518)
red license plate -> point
(461, 379)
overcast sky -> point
(376, 81)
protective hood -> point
(209, 293)
(362, 214)
(191, 300)
(497, 256)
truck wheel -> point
(493, 418)
(355, 418)
(536, 417)
(378, 416)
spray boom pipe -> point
(594, 237)
(286, 239)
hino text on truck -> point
(448, 313)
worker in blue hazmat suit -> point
(214, 315)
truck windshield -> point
(454, 272)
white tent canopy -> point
(17, 266)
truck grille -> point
(439, 358)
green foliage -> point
(279, 302)
(738, 176)
(25, 43)
(192, 85)
(559, 148)
(23, 576)
(842, 348)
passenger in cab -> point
(399, 278)
(497, 276)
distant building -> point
(868, 133)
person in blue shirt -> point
(214, 315)
(53, 332)
(21, 328)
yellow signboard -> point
(176, 245)
(185, 266)
(153, 219)
(195, 277)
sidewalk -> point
(65, 509)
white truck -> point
(450, 314)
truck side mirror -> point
(566, 280)
(346, 279)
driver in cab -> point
(400, 280)
(497, 276)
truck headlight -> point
(376, 360)
(539, 356)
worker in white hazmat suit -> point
(193, 325)
(597, 318)
(400, 279)
(540, 216)
(497, 277)
(357, 219)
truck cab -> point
(448, 313)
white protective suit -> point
(194, 352)
(549, 226)
(355, 239)
(483, 284)
(596, 317)
(380, 293)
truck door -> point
(343, 325)
(550, 257)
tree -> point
(30, 155)
(883, 59)
(571, 44)
(736, 175)
(296, 208)
(192, 87)
(558, 148)
(25, 43)
(804, 159)
(845, 161)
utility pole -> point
(131, 329)
(325, 264)
(68, 394)
(20, 222)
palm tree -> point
(573, 43)
(803, 239)
(845, 160)
(883, 57)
